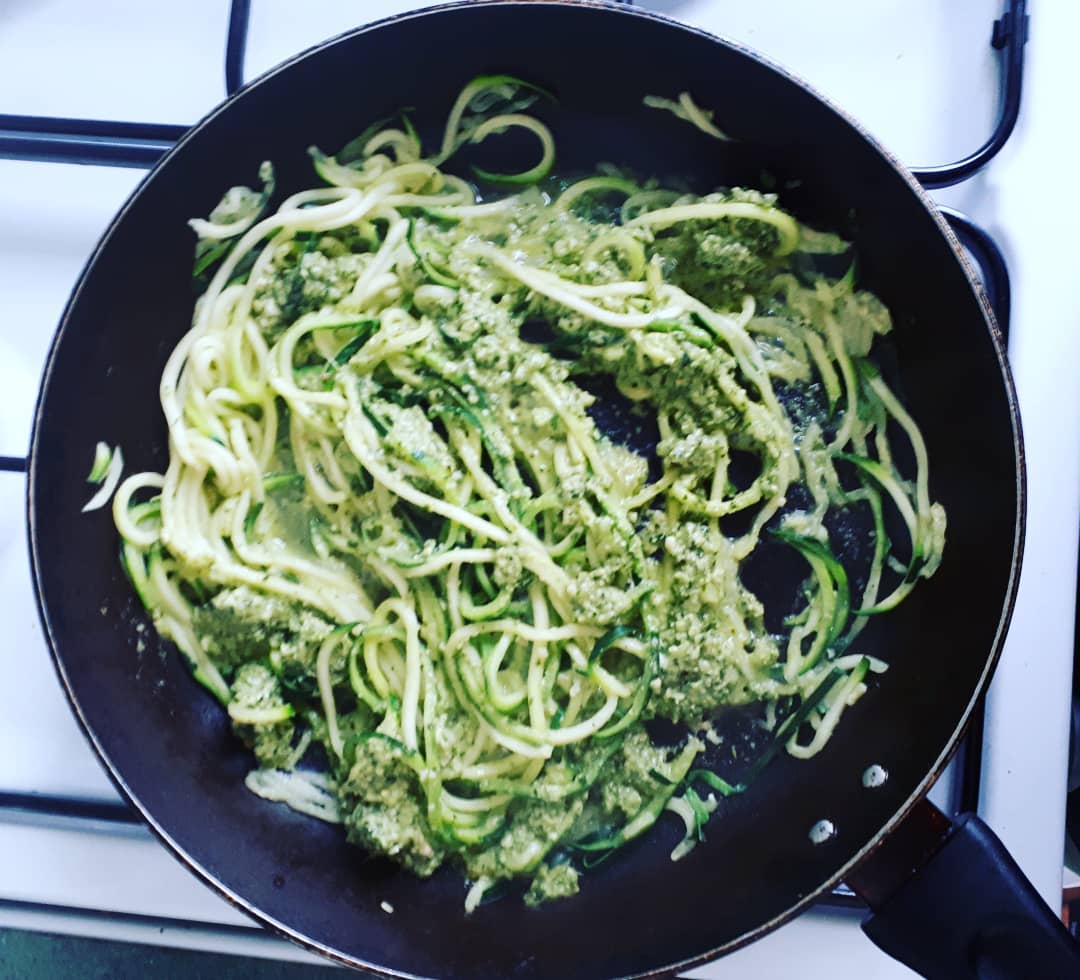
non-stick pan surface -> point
(168, 745)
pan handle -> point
(950, 902)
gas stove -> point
(921, 75)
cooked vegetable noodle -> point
(391, 525)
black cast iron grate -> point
(141, 145)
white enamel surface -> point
(918, 73)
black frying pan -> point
(168, 745)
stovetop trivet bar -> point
(1008, 37)
(89, 141)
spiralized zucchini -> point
(392, 527)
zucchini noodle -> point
(687, 109)
(392, 529)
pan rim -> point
(921, 196)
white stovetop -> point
(919, 73)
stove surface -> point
(920, 74)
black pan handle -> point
(949, 902)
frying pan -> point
(168, 746)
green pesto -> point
(553, 881)
(524, 594)
(256, 686)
